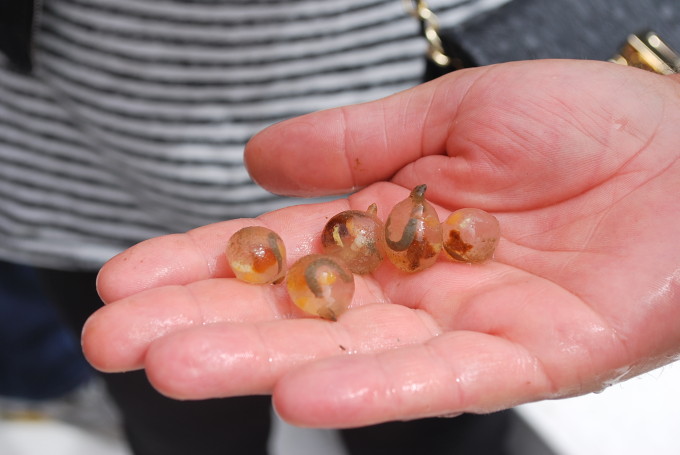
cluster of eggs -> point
(357, 242)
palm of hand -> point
(583, 176)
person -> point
(527, 326)
(126, 120)
(577, 160)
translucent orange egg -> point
(471, 235)
(413, 233)
(257, 255)
(321, 285)
(356, 237)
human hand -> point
(579, 161)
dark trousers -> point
(40, 359)
(156, 425)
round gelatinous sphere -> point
(320, 284)
(356, 237)
(471, 235)
(413, 233)
(257, 255)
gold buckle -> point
(648, 52)
(435, 48)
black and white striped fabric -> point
(134, 120)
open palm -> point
(577, 160)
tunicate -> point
(257, 255)
(471, 235)
(321, 285)
(356, 237)
(413, 233)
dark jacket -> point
(16, 31)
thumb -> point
(339, 150)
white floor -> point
(53, 437)
(639, 416)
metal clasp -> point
(435, 49)
(649, 52)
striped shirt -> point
(133, 121)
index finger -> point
(199, 254)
